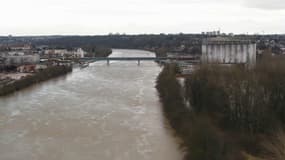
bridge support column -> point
(108, 62)
(139, 62)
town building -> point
(22, 59)
(31, 68)
(225, 50)
(77, 53)
(15, 53)
(20, 47)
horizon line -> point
(129, 34)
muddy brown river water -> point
(96, 113)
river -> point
(96, 113)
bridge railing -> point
(138, 59)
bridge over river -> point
(139, 59)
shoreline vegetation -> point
(97, 51)
(227, 112)
(51, 72)
(46, 74)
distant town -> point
(24, 56)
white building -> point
(20, 47)
(56, 52)
(15, 53)
(22, 59)
(228, 51)
(78, 53)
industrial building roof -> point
(227, 40)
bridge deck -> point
(138, 58)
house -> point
(77, 53)
(20, 47)
(22, 59)
(15, 53)
(40, 67)
(283, 50)
(27, 69)
(30, 68)
(55, 52)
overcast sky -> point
(90, 17)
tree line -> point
(227, 112)
(97, 51)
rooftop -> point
(227, 40)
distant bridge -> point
(139, 59)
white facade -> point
(21, 47)
(229, 52)
(15, 53)
(78, 53)
(58, 52)
(25, 59)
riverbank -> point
(229, 113)
(46, 74)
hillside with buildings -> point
(22, 61)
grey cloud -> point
(202, 1)
(195, 1)
(266, 4)
(260, 4)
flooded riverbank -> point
(100, 112)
